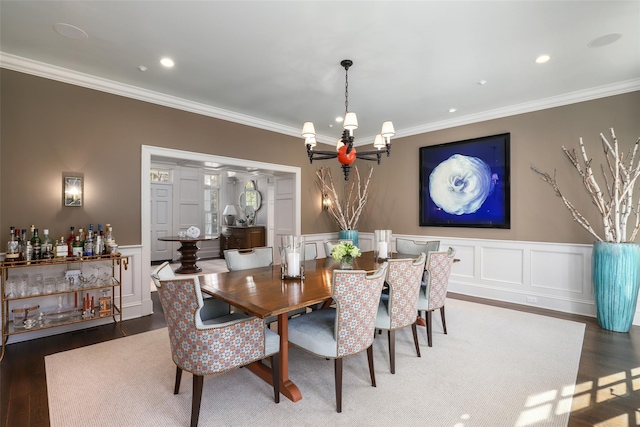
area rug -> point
(496, 367)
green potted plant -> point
(616, 258)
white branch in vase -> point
(347, 211)
(617, 204)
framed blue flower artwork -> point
(466, 183)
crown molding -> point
(48, 71)
(528, 107)
(40, 69)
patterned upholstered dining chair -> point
(399, 307)
(348, 328)
(433, 292)
(207, 339)
(244, 260)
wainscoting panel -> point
(560, 271)
(501, 265)
(554, 276)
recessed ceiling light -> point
(142, 68)
(542, 59)
(604, 40)
(453, 110)
(482, 82)
(70, 31)
(339, 119)
(167, 62)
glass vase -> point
(346, 263)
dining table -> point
(262, 292)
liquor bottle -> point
(109, 239)
(46, 246)
(23, 246)
(88, 244)
(70, 240)
(36, 244)
(98, 243)
(77, 248)
(13, 247)
(82, 235)
(62, 249)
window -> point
(160, 175)
(211, 198)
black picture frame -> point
(466, 183)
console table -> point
(242, 238)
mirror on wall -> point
(250, 201)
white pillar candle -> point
(293, 264)
(382, 249)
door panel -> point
(284, 212)
(161, 221)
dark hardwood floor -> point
(608, 378)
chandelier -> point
(345, 151)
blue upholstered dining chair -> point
(348, 328)
(310, 251)
(399, 306)
(413, 247)
(206, 338)
(330, 244)
(255, 258)
(244, 260)
(433, 292)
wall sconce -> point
(326, 202)
(72, 190)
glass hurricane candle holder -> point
(382, 244)
(292, 257)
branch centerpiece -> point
(616, 258)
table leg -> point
(188, 258)
(287, 387)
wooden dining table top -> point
(262, 292)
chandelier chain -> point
(346, 90)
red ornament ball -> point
(344, 158)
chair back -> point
(437, 277)
(413, 247)
(310, 251)
(256, 257)
(330, 244)
(162, 272)
(404, 279)
(357, 296)
(200, 349)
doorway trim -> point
(145, 184)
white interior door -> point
(284, 211)
(161, 221)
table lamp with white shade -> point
(230, 214)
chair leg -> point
(338, 374)
(198, 381)
(444, 322)
(392, 350)
(372, 372)
(414, 329)
(176, 388)
(275, 372)
(429, 328)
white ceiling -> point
(275, 64)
